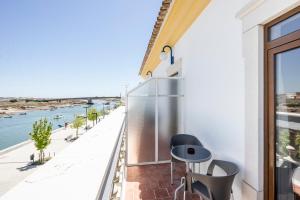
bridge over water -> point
(89, 99)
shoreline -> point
(16, 163)
(15, 160)
(21, 144)
(14, 111)
(68, 159)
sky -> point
(71, 48)
(287, 71)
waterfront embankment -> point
(16, 129)
(15, 162)
(79, 170)
(13, 107)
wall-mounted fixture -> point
(164, 55)
(149, 73)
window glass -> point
(285, 27)
(287, 124)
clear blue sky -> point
(68, 48)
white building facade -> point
(221, 57)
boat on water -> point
(7, 116)
(23, 113)
(58, 117)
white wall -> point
(254, 16)
(222, 63)
(213, 69)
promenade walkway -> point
(78, 170)
(15, 162)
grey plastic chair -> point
(181, 139)
(211, 187)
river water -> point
(16, 129)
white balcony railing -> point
(111, 186)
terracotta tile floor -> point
(153, 182)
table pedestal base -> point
(182, 184)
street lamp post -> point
(86, 118)
(96, 118)
(103, 110)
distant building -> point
(290, 96)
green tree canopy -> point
(283, 141)
(118, 104)
(41, 135)
(93, 113)
(77, 123)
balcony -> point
(155, 114)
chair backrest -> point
(182, 139)
(219, 186)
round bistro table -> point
(189, 154)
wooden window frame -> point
(281, 44)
